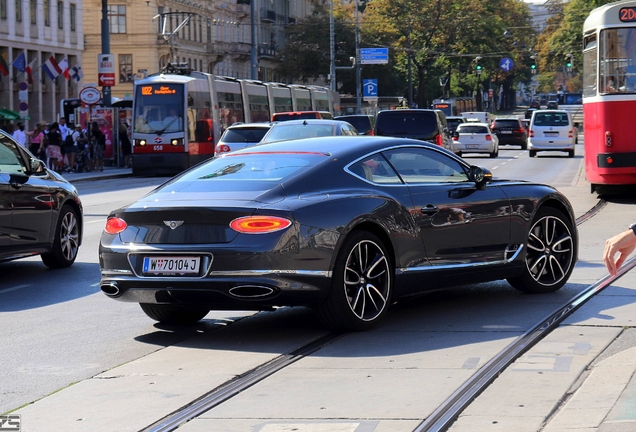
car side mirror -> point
(37, 166)
(479, 175)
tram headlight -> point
(176, 141)
(141, 142)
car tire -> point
(524, 146)
(532, 153)
(66, 240)
(550, 253)
(362, 284)
(169, 314)
(570, 153)
(495, 153)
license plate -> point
(472, 146)
(551, 133)
(506, 132)
(171, 265)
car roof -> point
(251, 125)
(311, 121)
(473, 124)
(455, 118)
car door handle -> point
(429, 209)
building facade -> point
(36, 35)
(215, 36)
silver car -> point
(241, 135)
(551, 130)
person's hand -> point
(622, 244)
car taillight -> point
(571, 134)
(222, 148)
(519, 130)
(530, 133)
(115, 225)
(259, 224)
(488, 138)
(455, 137)
(438, 140)
(371, 132)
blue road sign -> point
(370, 88)
(374, 55)
(506, 64)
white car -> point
(475, 138)
(241, 135)
(551, 130)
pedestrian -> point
(98, 144)
(125, 145)
(35, 140)
(20, 136)
(53, 148)
(71, 148)
(63, 128)
(622, 244)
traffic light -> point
(477, 65)
(568, 61)
(533, 64)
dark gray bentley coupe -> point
(343, 225)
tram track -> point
(446, 413)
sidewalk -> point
(109, 172)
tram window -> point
(617, 60)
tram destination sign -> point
(627, 14)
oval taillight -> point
(259, 224)
(115, 225)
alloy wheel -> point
(69, 236)
(550, 251)
(367, 280)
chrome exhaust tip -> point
(110, 289)
(251, 291)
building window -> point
(33, 11)
(73, 9)
(160, 28)
(47, 12)
(60, 15)
(117, 18)
(18, 10)
(125, 68)
(3, 9)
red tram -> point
(609, 94)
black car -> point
(510, 131)
(362, 122)
(344, 225)
(421, 124)
(453, 122)
(40, 212)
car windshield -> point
(401, 123)
(252, 167)
(472, 129)
(243, 135)
(283, 132)
(551, 119)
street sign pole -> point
(105, 48)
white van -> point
(477, 116)
(551, 130)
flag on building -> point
(64, 67)
(4, 68)
(29, 70)
(51, 68)
(20, 62)
(76, 73)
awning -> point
(6, 114)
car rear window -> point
(361, 123)
(551, 119)
(253, 167)
(243, 135)
(506, 123)
(295, 116)
(472, 129)
(402, 123)
(284, 132)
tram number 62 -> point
(157, 148)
